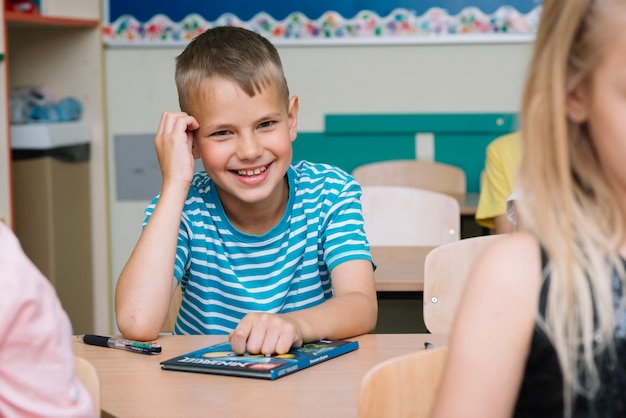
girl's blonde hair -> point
(566, 201)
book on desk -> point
(220, 359)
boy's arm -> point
(146, 285)
(352, 311)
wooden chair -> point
(406, 216)
(88, 375)
(168, 327)
(433, 176)
(445, 270)
(403, 386)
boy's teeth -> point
(252, 172)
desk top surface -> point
(133, 385)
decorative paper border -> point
(400, 26)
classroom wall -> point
(424, 78)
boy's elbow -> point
(372, 317)
(368, 314)
(135, 329)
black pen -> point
(428, 345)
(122, 343)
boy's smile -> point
(245, 145)
(252, 176)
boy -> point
(270, 252)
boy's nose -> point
(249, 147)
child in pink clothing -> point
(37, 377)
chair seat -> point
(404, 386)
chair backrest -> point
(403, 386)
(445, 270)
(437, 177)
(405, 216)
(88, 375)
(172, 314)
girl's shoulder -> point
(511, 266)
(519, 247)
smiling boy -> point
(271, 252)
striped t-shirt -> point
(225, 273)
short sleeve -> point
(344, 236)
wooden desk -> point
(399, 269)
(133, 385)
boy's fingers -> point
(240, 337)
(270, 342)
(284, 343)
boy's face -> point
(244, 142)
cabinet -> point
(63, 53)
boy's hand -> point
(173, 142)
(265, 333)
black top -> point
(541, 393)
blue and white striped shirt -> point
(225, 273)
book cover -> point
(220, 359)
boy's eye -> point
(221, 133)
(267, 124)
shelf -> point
(59, 49)
(33, 19)
(50, 135)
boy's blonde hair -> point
(236, 54)
(566, 200)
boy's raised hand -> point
(173, 143)
(265, 333)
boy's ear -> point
(195, 152)
(576, 104)
(293, 117)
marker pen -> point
(122, 343)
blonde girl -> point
(541, 329)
